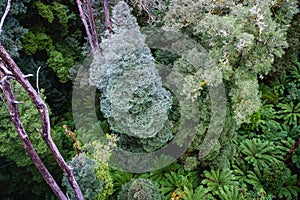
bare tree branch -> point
(44, 118)
(86, 26)
(4, 15)
(15, 116)
(92, 24)
(107, 17)
(93, 43)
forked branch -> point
(15, 117)
(44, 117)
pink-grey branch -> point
(44, 117)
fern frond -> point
(258, 152)
(174, 181)
(288, 112)
(229, 193)
(218, 178)
(198, 194)
(240, 170)
(255, 178)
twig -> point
(44, 118)
(28, 75)
(73, 137)
(4, 15)
(5, 70)
(37, 80)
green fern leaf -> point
(288, 112)
(258, 152)
(229, 193)
(198, 194)
(216, 179)
(255, 178)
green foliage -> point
(279, 181)
(230, 192)
(103, 174)
(120, 178)
(44, 11)
(59, 64)
(174, 180)
(289, 113)
(276, 179)
(10, 144)
(159, 175)
(258, 152)
(84, 172)
(199, 193)
(52, 30)
(139, 189)
(57, 93)
(242, 93)
(243, 38)
(36, 42)
(215, 180)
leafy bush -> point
(139, 189)
(83, 169)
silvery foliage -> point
(83, 169)
(241, 37)
(133, 99)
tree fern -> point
(230, 192)
(290, 190)
(120, 178)
(174, 181)
(270, 95)
(197, 194)
(257, 152)
(294, 71)
(215, 179)
(288, 112)
(159, 175)
(255, 178)
(240, 169)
